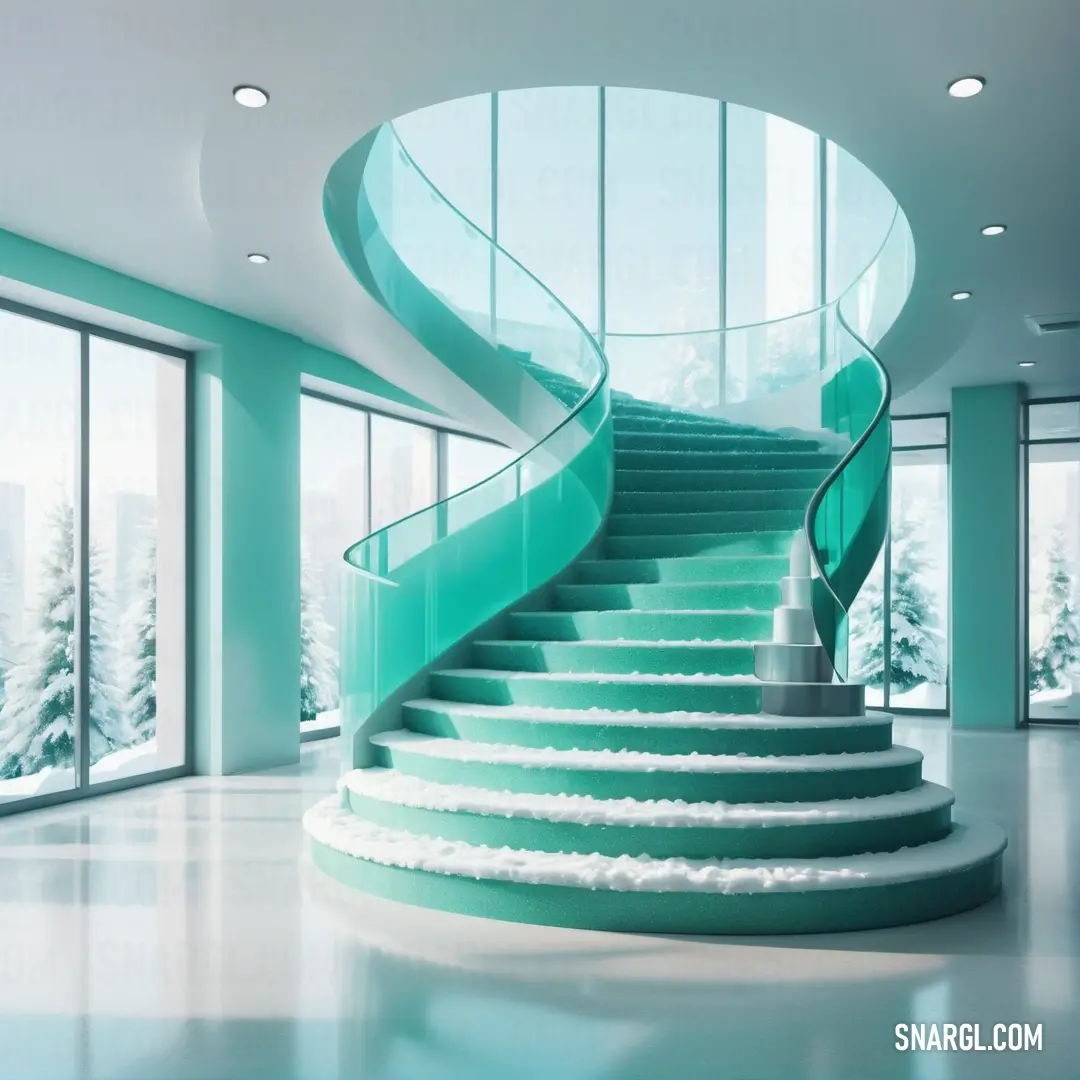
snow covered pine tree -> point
(37, 721)
(918, 654)
(139, 648)
(1056, 662)
(866, 630)
(318, 662)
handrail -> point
(830, 607)
(593, 390)
(819, 493)
(413, 250)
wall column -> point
(247, 557)
(987, 621)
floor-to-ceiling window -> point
(452, 144)
(359, 472)
(898, 626)
(1052, 438)
(548, 202)
(657, 218)
(93, 557)
(334, 513)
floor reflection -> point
(179, 931)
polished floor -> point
(179, 931)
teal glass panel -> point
(451, 143)
(662, 213)
(848, 517)
(859, 213)
(420, 584)
(772, 217)
(467, 461)
(677, 369)
(549, 202)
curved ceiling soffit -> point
(290, 190)
(924, 335)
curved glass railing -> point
(812, 371)
(421, 584)
(848, 516)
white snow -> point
(600, 677)
(924, 696)
(131, 761)
(323, 721)
(698, 642)
(636, 760)
(341, 830)
(636, 718)
(389, 786)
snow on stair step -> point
(661, 895)
(648, 775)
(660, 828)
(672, 732)
(741, 625)
(653, 693)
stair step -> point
(659, 502)
(631, 423)
(649, 693)
(749, 479)
(723, 459)
(656, 828)
(599, 892)
(640, 625)
(690, 569)
(672, 545)
(668, 596)
(676, 732)
(707, 522)
(626, 774)
(618, 657)
(713, 442)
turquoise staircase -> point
(642, 727)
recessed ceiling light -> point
(251, 97)
(963, 294)
(968, 86)
(992, 230)
(258, 259)
(1026, 363)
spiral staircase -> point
(603, 688)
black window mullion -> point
(81, 570)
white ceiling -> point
(121, 141)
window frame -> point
(1026, 444)
(441, 432)
(84, 787)
(886, 705)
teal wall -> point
(987, 616)
(246, 499)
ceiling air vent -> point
(1052, 324)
